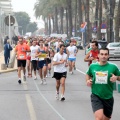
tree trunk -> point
(46, 26)
(56, 20)
(96, 16)
(49, 25)
(61, 16)
(112, 7)
(80, 16)
(67, 21)
(75, 25)
(70, 17)
(117, 24)
(88, 22)
(53, 20)
(100, 20)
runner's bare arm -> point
(57, 63)
(88, 80)
(88, 58)
(118, 78)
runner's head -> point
(71, 42)
(94, 45)
(21, 40)
(34, 42)
(62, 47)
(41, 43)
(103, 54)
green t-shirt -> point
(101, 84)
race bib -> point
(43, 55)
(101, 77)
(21, 56)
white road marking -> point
(30, 107)
(81, 71)
(29, 101)
(62, 118)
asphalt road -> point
(32, 101)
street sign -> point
(94, 29)
(83, 27)
(12, 20)
(103, 30)
(103, 26)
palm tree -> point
(117, 24)
(69, 7)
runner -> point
(60, 71)
(41, 54)
(48, 60)
(21, 50)
(92, 56)
(34, 59)
(101, 77)
(71, 51)
(29, 65)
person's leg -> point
(70, 66)
(97, 106)
(73, 65)
(5, 60)
(8, 59)
(99, 114)
(34, 67)
(108, 108)
(19, 73)
(44, 71)
(28, 67)
(57, 88)
(40, 72)
(62, 81)
(24, 69)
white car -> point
(114, 49)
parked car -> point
(101, 44)
(114, 50)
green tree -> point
(31, 27)
(23, 20)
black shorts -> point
(58, 76)
(105, 104)
(21, 63)
(34, 64)
(48, 61)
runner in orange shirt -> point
(21, 50)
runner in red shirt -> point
(92, 56)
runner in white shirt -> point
(60, 71)
(71, 51)
(34, 59)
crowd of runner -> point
(37, 55)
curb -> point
(6, 71)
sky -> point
(27, 6)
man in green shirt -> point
(101, 77)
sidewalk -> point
(2, 61)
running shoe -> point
(57, 96)
(62, 98)
(35, 78)
(41, 82)
(44, 81)
(24, 78)
(19, 81)
(74, 68)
